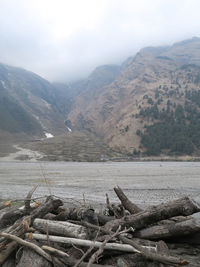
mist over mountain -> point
(134, 113)
(150, 105)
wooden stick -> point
(85, 243)
(139, 249)
(28, 244)
(87, 252)
(71, 261)
(55, 252)
(101, 248)
(36, 248)
(27, 201)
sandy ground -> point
(22, 154)
(145, 183)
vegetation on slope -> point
(176, 128)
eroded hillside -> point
(155, 80)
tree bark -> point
(9, 215)
(60, 228)
(33, 259)
(162, 248)
(9, 263)
(164, 231)
(182, 206)
(103, 219)
(49, 206)
(10, 247)
(128, 205)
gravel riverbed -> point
(145, 183)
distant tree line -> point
(176, 128)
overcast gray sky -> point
(63, 40)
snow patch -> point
(70, 130)
(48, 135)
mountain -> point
(27, 105)
(152, 105)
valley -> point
(149, 106)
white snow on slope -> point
(48, 135)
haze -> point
(64, 40)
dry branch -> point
(95, 256)
(84, 243)
(143, 251)
(28, 244)
(27, 201)
(68, 259)
(55, 252)
(128, 205)
(32, 246)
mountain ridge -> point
(114, 114)
(127, 108)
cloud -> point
(64, 39)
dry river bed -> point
(145, 183)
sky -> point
(64, 40)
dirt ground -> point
(145, 183)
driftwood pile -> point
(46, 234)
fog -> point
(64, 40)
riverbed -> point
(145, 183)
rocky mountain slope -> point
(27, 105)
(150, 105)
(157, 90)
(31, 107)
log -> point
(33, 259)
(76, 215)
(145, 252)
(70, 214)
(193, 239)
(19, 228)
(162, 248)
(9, 215)
(49, 206)
(127, 204)
(35, 248)
(182, 206)
(103, 219)
(22, 225)
(10, 247)
(84, 243)
(60, 228)
(187, 227)
(49, 216)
